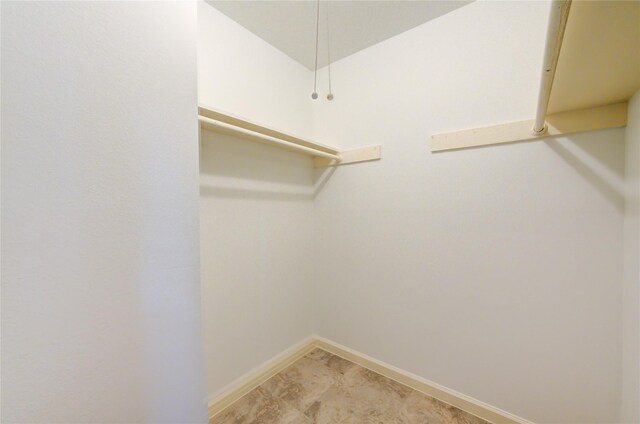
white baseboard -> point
(243, 385)
(233, 391)
(464, 402)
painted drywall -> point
(496, 271)
(100, 290)
(631, 295)
(256, 204)
(241, 74)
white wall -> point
(241, 74)
(631, 306)
(100, 311)
(495, 271)
(256, 204)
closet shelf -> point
(225, 123)
(575, 93)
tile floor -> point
(322, 388)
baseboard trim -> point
(446, 395)
(225, 397)
(243, 385)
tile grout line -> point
(286, 402)
(454, 402)
(405, 385)
(353, 367)
(290, 356)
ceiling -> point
(290, 26)
(599, 61)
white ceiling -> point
(290, 26)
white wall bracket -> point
(596, 118)
(543, 125)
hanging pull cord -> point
(330, 95)
(314, 95)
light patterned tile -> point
(370, 387)
(379, 399)
(461, 417)
(298, 388)
(336, 364)
(300, 419)
(419, 408)
(258, 407)
(242, 411)
(306, 380)
(322, 388)
(335, 406)
(339, 405)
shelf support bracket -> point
(361, 154)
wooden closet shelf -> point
(225, 123)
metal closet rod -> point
(267, 138)
(555, 32)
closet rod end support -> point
(539, 132)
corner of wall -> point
(630, 405)
(256, 203)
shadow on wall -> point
(596, 162)
(236, 168)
